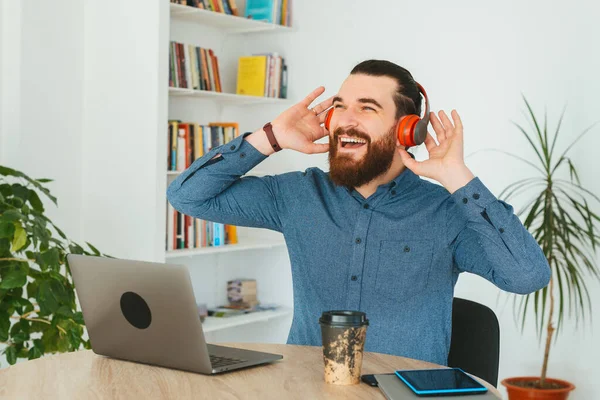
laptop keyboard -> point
(217, 361)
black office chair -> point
(475, 342)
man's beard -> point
(344, 170)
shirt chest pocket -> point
(403, 268)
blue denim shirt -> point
(395, 255)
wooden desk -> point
(85, 375)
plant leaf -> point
(20, 238)
(49, 259)
(585, 131)
(35, 201)
(12, 215)
(19, 337)
(7, 229)
(11, 172)
(562, 114)
(4, 325)
(35, 352)
(532, 145)
(78, 318)
(94, 250)
(11, 355)
(74, 339)
(64, 311)
(47, 297)
(22, 305)
(14, 279)
(539, 134)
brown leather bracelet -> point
(268, 128)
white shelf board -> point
(225, 98)
(226, 23)
(212, 324)
(242, 246)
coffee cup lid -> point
(344, 318)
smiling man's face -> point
(362, 139)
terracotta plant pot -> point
(521, 393)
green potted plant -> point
(563, 223)
(38, 310)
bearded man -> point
(370, 234)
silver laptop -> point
(146, 312)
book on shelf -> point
(193, 67)
(263, 75)
(190, 140)
(222, 6)
(186, 232)
(271, 11)
(242, 293)
(187, 142)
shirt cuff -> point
(472, 199)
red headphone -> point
(411, 129)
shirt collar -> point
(403, 181)
(400, 184)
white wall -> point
(476, 57)
(42, 93)
(65, 116)
(125, 107)
(10, 60)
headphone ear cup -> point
(420, 132)
(328, 118)
(406, 130)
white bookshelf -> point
(213, 324)
(224, 98)
(245, 245)
(217, 264)
(224, 22)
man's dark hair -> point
(407, 97)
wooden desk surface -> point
(85, 375)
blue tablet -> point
(440, 382)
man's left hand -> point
(446, 157)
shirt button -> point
(393, 184)
(232, 147)
(393, 192)
(406, 249)
(465, 200)
(476, 196)
(365, 206)
(354, 278)
(242, 155)
(357, 240)
(501, 230)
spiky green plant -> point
(560, 218)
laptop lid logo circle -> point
(136, 310)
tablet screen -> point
(440, 380)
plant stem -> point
(549, 337)
(39, 320)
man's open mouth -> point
(352, 143)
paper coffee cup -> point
(343, 334)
